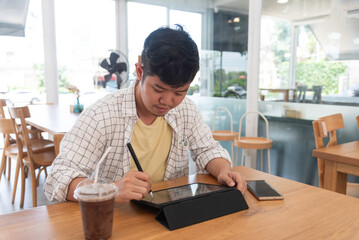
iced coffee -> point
(97, 206)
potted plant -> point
(77, 107)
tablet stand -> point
(188, 212)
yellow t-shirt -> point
(152, 144)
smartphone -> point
(262, 190)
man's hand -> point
(133, 185)
(232, 178)
(221, 169)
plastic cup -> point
(97, 201)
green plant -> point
(63, 80)
(216, 94)
(229, 79)
(193, 89)
(321, 73)
(39, 70)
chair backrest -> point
(21, 130)
(321, 127)
(57, 140)
(327, 124)
(260, 114)
(7, 127)
(357, 121)
(2, 105)
(229, 113)
(15, 112)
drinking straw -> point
(99, 163)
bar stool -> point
(224, 135)
(317, 96)
(258, 143)
(302, 91)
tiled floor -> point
(6, 188)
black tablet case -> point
(196, 210)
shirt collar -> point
(129, 103)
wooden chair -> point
(224, 135)
(321, 127)
(39, 153)
(258, 143)
(10, 150)
(2, 105)
(35, 133)
(7, 141)
(353, 188)
(57, 140)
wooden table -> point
(53, 119)
(306, 212)
(279, 90)
(340, 160)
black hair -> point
(172, 55)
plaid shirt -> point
(110, 122)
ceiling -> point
(335, 23)
(13, 15)
(292, 10)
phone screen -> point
(262, 190)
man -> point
(154, 115)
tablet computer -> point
(168, 196)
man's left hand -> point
(231, 179)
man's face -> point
(158, 98)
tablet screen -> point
(182, 192)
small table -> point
(53, 119)
(340, 160)
(280, 90)
(306, 212)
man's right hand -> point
(133, 185)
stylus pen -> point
(135, 159)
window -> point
(223, 56)
(142, 20)
(275, 53)
(85, 35)
(312, 49)
(21, 58)
(154, 17)
(317, 67)
(230, 46)
(192, 23)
